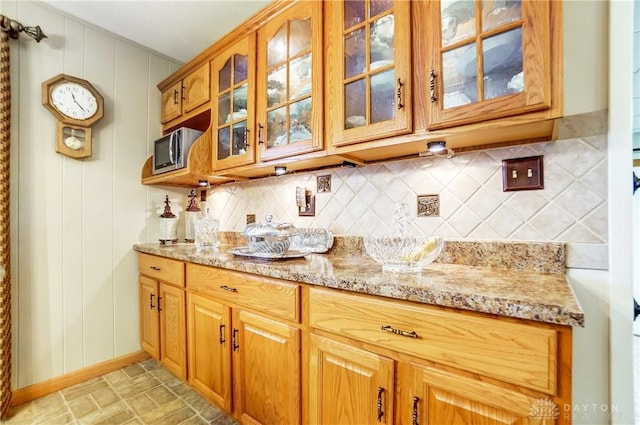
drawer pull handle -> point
(159, 309)
(414, 414)
(222, 340)
(155, 268)
(235, 339)
(227, 288)
(380, 412)
(151, 306)
(400, 332)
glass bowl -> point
(403, 254)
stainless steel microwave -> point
(170, 152)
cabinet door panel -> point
(497, 67)
(209, 347)
(368, 73)
(448, 398)
(349, 385)
(289, 88)
(196, 88)
(233, 90)
(173, 350)
(149, 322)
(172, 102)
(266, 370)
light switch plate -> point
(522, 173)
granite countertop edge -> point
(531, 295)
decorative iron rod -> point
(14, 28)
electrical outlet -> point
(522, 174)
(251, 218)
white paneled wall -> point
(74, 273)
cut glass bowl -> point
(403, 254)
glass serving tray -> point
(245, 251)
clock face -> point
(74, 101)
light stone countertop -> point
(524, 294)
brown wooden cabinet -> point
(437, 396)
(368, 70)
(396, 74)
(233, 92)
(149, 321)
(273, 351)
(487, 59)
(349, 385)
(267, 370)
(162, 312)
(289, 82)
(185, 95)
(253, 323)
(209, 347)
(451, 367)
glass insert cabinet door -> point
(491, 58)
(368, 73)
(233, 87)
(289, 90)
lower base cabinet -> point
(269, 351)
(436, 396)
(242, 356)
(266, 370)
(162, 324)
(209, 346)
(349, 385)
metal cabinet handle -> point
(379, 405)
(154, 268)
(183, 97)
(159, 309)
(399, 94)
(227, 288)
(260, 127)
(432, 85)
(222, 340)
(235, 339)
(414, 414)
(175, 97)
(246, 137)
(400, 332)
(151, 306)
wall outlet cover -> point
(251, 218)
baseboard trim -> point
(52, 385)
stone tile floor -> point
(140, 394)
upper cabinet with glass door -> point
(289, 87)
(368, 73)
(233, 88)
(489, 59)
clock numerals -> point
(74, 100)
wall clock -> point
(76, 105)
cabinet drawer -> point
(263, 294)
(160, 268)
(517, 353)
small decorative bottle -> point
(191, 215)
(168, 224)
(207, 231)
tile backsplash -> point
(571, 208)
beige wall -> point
(73, 222)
